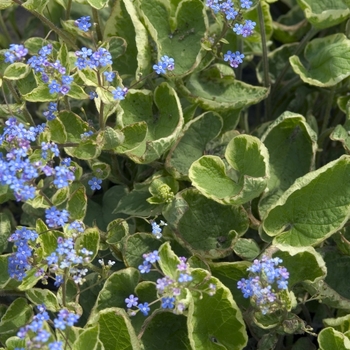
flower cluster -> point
(83, 23)
(230, 13)
(38, 337)
(165, 63)
(93, 59)
(20, 261)
(170, 290)
(234, 58)
(56, 218)
(266, 280)
(50, 113)
(16, 170)
(52, 72)
(66, 257)
(156, 229)
(15, 53)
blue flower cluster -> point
(20, 261)
(16, 170)
(264, 284)
(230, 13)
(234, 58)
(50, 113)
(169, 289)
(56, 218)
(15, 53)
(93, 59)
(83, 23)
(66, 256)
(52, 72)
(156, 229)
(38, 337)
(165, 63)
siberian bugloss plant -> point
(174, 174)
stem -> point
(64, 287)
(265, 59)
(100, 116)
(51, 25)
(13, 91)
(4, 29)
(69, 6)
(327, 110)
(96, 19)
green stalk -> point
(26, 114)
(96, 19)
(51, 25)
(327, 110)
(69, 6)
(4, 30)
(267, 83)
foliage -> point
(174, 174)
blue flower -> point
(54, 87)
(168, 302)
(109, 76)
(152, 257)
(15, 53)
(131, 301)
(144, 308)
(83, 23)
(119, 93)
(145, 267)
(94, 183)
(56, 218)
(246, 4)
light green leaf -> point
(90, 240)
(17, 315)
(215, 322)
(97, 4)
(249, 159)
(216, 89)
(246, 249)
(329, 338)
(163, 128)
(17, 70)
(5, 230)
(36, 5)
(116, 331)
(5, 4)
(40, 94)
(325, 13)
(328, 61)
(89, 339)
(77, 204)
(124, 281)
(43, 296)
(124, 22)
(191, 145)
(292, 146)
(179, 37)
(57, 131)
(203, 231)
(5, 281)
(168, 260)
(313, 208)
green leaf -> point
(215, 89)
(328, 61)
(325, 13)
(329, 338)
(117, 230)
(162, 130)
(112, 138)
(123, 281)
(77, 92)
(303, 264)
(5, 281)
(43, 296)
(90, 240)
(36, 5)
(116, 331)
(88, 339)
(60, 196)
(179, 37)
(124, 22)
(203, 231)
(134, 135)
(249, 159)
(340, 324)
(313, 208)
(191, 144)
(77, 204)
(292, 146)
(5, 230)
(135, 202)
(57, 131)
(246, 249)
(73, 125)
(229, 273)
(215, 322)
(40, 94)
(17, 70)
(5, 4)
(17, 315)
(168, 260)
(165, 330)
(341, 134)
(97, 4)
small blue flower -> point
(83, 23)
(54, 87)
(246, 4)
(119, 93)
(109, 76)
(144, 308)
(56, 218)
(145, 267)
(131, 301)
(94, 183)
(168, 302)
